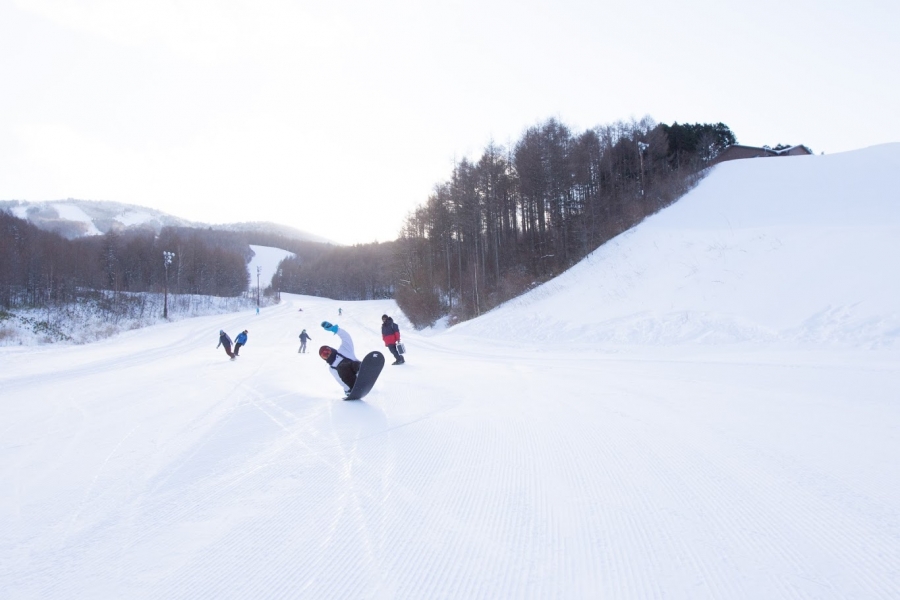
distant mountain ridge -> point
(73, 218)
(274, 228)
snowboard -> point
(369, 371)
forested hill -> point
(521, 215)
(40, 268)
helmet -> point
(325, 352)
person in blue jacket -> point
(224, 340)
(240, 340)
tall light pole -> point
(278, 293)
(641, 147)
(167, 260)
(258, 271)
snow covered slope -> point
(801, 250)
(582, 442)
(73, 218)
(265, 260)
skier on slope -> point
(343, 363)
(390, 333)
(303, 337)
(224, 340)
(240, 340)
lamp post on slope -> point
(258, 271)
(167, 260)
(641, 147)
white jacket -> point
(345, 352)
(346, 347)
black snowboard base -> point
(369, 371)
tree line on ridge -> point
(518, 216)
(499, 225)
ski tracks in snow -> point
(476, 470)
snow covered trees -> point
(39, 268)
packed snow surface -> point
(706, 407)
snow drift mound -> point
(797, 249)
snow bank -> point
(86, 322)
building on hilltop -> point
(736, 151)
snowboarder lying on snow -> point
(226, 341)
(240, 340)
(343, 362)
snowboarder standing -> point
(390, 333)
(240, 340)
(342, 361)
(224, 340)
(303, 337)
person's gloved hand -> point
(329, 327)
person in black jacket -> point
(303, 338)
(224, 340)
(390, 333)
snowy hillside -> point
(264, 264)
(802, 250)
(73, 218)
(707, 407)
(84, 323)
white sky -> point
(339, 118)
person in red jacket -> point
(390, 333)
